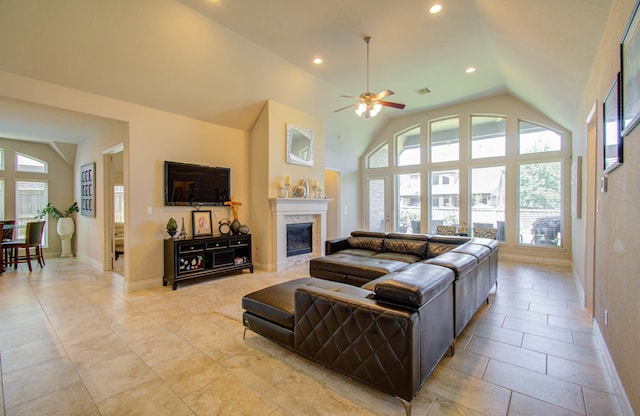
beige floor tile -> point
(542, 387)
(496, 333)
(108, 378)
(587, 375)
(601, 403)
(547, 331)
(565, 350)
(37, 352)
(150, 398)
(32, 382)
(522, 405)
(192, 340)
(26, 334)
(476, 394)
(508, 353)
(69, 401)
(188, 372)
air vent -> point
(423, 91)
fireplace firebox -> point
(299, 239)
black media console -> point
(205, 256)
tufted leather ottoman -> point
(270, 311)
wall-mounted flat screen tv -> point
(188, 184)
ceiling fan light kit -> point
(370, 104)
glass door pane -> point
(445, 199)
(377, 212)
(408, 203)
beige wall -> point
(150, 137)
(268, 167)
(59, 182)
(617, 271)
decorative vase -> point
(172, 231)
(235, 227)
(65, 228)
(244, 229)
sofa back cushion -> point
(366, 243)
(406, 246)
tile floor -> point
(71, 343)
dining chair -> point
(446, 230)
(32, 240)
(485, 232)
(7, 232)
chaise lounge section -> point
(382, 308)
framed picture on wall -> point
(201, 223)
(612, 139)
(630, 77)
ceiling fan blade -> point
(390, 104)
(383, 94)
(344, 108)
(350, 96)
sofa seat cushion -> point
(403, 257)
(365, 267)
(460, 263)
(476, 250)
(358, 252)
(415, 285)
(276, 303)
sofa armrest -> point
(377, 345)
(333, 246)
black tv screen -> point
(188, 184)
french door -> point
(379, 203)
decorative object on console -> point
(299, 145)
(224, 226)
(244, 229)
(87, 186)
(201, 223)
(172, 227)
(183, 233)
(235, 224)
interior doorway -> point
(114, 219)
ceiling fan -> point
(369, 103)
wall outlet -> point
(606, 317)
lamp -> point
(368, 108)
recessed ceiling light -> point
(470, 70)
(317, 61)
(435, 8)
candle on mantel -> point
(315, 182)
(287, 180)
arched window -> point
(26, 163)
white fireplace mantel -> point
(291, 210)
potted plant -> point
(65, 226)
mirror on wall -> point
(299, 145)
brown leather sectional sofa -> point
(382, 308)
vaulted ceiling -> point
(220, 60)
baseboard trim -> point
(623, 400)
(142, 284)
(533, 260)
